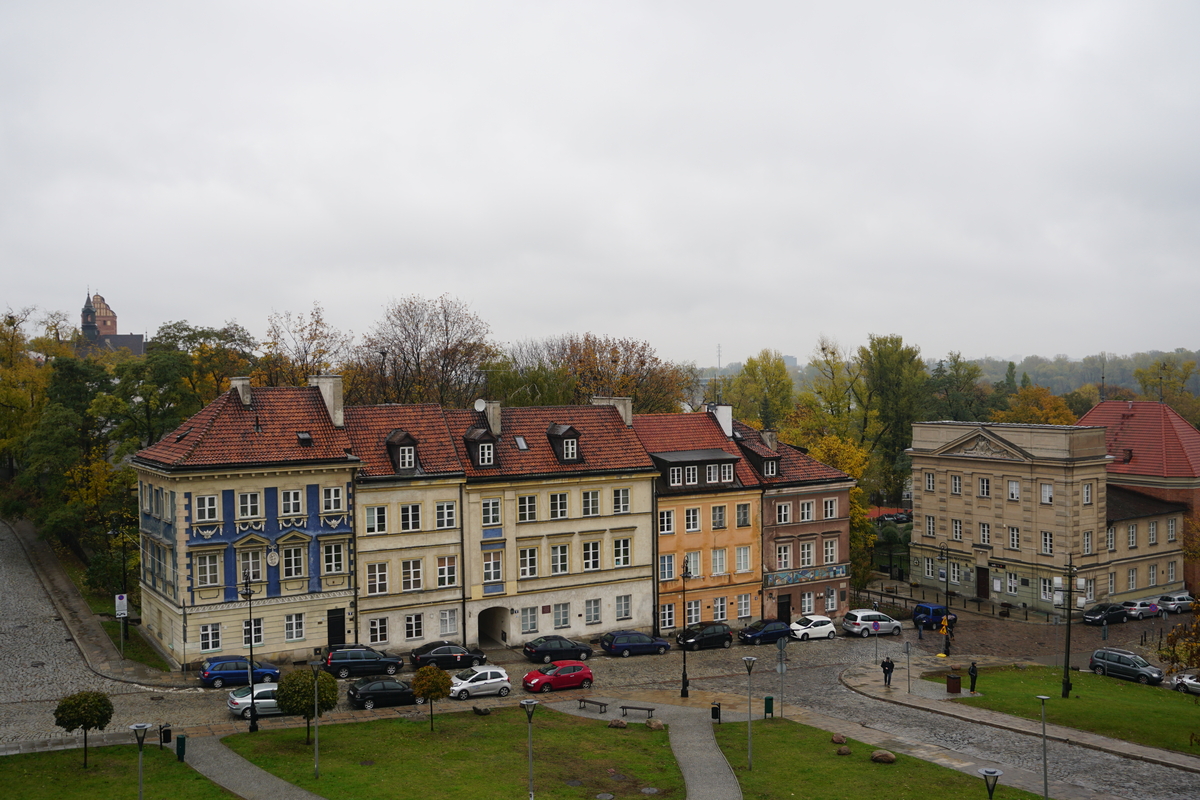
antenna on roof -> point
(480, 404)
(1103, 362)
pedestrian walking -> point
(919, 619)
(875, 605)
(888, 665)
(973, 671)
(950, 620)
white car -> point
(264, 700)
(813, 627)
(1184, 682)
(474, 681)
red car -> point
(559, 675)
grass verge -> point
(793, 760)
(1148, 715)
(136, 646)
(112, 772)
(469, 756)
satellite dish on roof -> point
(480, 404)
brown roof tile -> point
(368, 428)
(1147, 438)
(795, 466)
(674, 433)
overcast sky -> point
(998, 179)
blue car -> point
(632, 643)
(765, 631)
(216, 672)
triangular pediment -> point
(984, 444)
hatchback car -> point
(1124, 664)
(216, 672)
(381, 691)
(632, 643)
(1177, 603)
(1140, 609)
(264, 700)
(813, 627)
(1185, 682)
(865, 621)
(764, 631)
(446, 655)
(705, 634)
(559, 675)
(555, 648)
(361, 660)
(474, 681)
(930, 615)
(1105, 612)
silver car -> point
(474, 681)
(1187, 683)
(264, 700)
(865, 622)
(1176, 603)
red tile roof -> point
(673, 433)
(1147, 438)
(368, 428)
(224, 432)
(794, 465)
(606, 444)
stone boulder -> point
(654, 724)
(838, 739)
(617, 723)
(843, 751)
(883, 757)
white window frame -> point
(1087, 543)
(1152, 533)
(783, 513)
(249, 505)
(1171, 529)
(414, 626)
(1110, 537)
(559, 508)
(1152, 574)
(1014, 490)
(956, 484)
(489, 511)
(377, 630)
(621, 553)
(493, 566)
(727, 473)
(930, 525)
(985, 533)
(446, 514)
(253, 629)
(743, 513)
(294, 561)
(929, 568)
(1048, 493)
(675, 476)
(666, 566)
(1133, 535)
(620, 498)
(985, 487)
(691, 612)
(448, 622)
(562, 615)
(806, 602)
(447, 571)
(624, 606)
(375, 519)
(527, 562)
(666, 615)
(742, 559)
(691, 475)
(666, 521)
(830, 505)
(1047, 588)
(410, 517)
(591, 611)
(290, 502)
(717, 557)
(591, 555)
(293, 627)
(210, 637)
(712, 473)
(783, 556)
(1170, 572)
(377, 578)
(487, 454)
(1047, 543)
(719, 519)
(206, 508)
(333, 556)
(956, 529)
(590, 502)
(720, 609)
(1131, 577)
(830, 547)
(1087, 494)
(691, 520)
(412, 575)
(806, 555)
(1014, 537)
(770, 468)
(331, 499)
(406, 457)
(570, 448)
(207, 568)
(930, 482)
(1013, 583)
(529, 619)
(527, 508)
(250, 561)
(743, 606)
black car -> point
(1105, 612)
(545, 649)
(764, 631)
(705, 634)
(371, 692)
(446, 655)
(360, 660)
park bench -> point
(649, 711)
(584, 702)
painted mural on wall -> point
(794, 576)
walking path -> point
(707, 773)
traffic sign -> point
(122, 606)
(782, 643)
(875, 627)
(781, 668)
(1154, 608)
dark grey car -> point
(1124, 664)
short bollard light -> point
(990, 778)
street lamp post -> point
(944, 558)
(139, 730)
(1069, 573)
(990, 778)
(316, 673)
(1045, 768)
(683, 576)
(530, 706)
(749, 662)
(248, 593)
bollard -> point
(180, 746)
(716, 712)
(769, 706)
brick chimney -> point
(331, 393)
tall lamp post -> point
(1069, 572)
(316, 672)
(139, 730)
(749, 662)
(1045, 768)
(683, 579)
(248, 593)
(530, 706)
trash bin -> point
(164, 735)
(769, 706)
(716, 712)
(953, 684)
(180, 746)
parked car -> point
(446, 655)
(1140, 609)
(361, 660)
(264, 700)
(1105, 612)
(764, 631)
(475, 681)
(632, 643)
(1177, 603)
(861, 622)
(381, 691)
(555, 648)
(705, 634)
(1186, 682)
(559, 675)
(932, 614)
(1124, 664)
(813, 627)
(216, 672)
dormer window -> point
(727, 473)
(675, 476)
(487, 454)
(402, 450)
(564, 439)
(304, 438)
(481, 446)
(771, 467)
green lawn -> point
(136, 647)
(1120, 709)
(796, 761)
(111, 773)
(471, 757)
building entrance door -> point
(982, 582)
(335, 625)
(784, 608)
